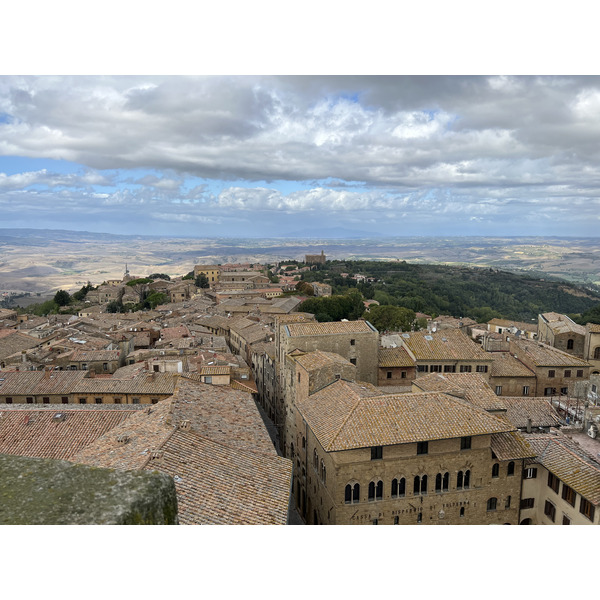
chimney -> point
(528, 424)
(122, 439)
(46, 374)
(185, 424)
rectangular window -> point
(566, 520)
(551, 373)
(465, 443)
(564, 391)
(105, 366)
(550, 510)
(82, 400)
(580, 373)
(65, 399)
(389, 374)
(403, 375)
(527, 503)
(530, 473)
(136, 401)
(435, 369)
(498, 390)
(9, 401)
(549, 391)
(481, 369)
(83, 367)
(98, 400)
(568, 494)
(154, 400)
(353, 361)
(353, 342)
(525, 390)
(449, 368)
(29, 400)
(422, 447)
(117, 400)
(376, 452)
(422, 368)
(46, 400)
(553, 482)
(465, 368)
(586, 509)
(568, 373)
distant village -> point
(257, 413)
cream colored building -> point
(561, 486)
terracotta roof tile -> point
(345, 416)
(336, 327)
(448, 344)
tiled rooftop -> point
(318, 359)
(547, 356)
(447, 344)
(562, 324)
(506, 365)
(471, 386)
(538, 409)
(511, 445)
(344, 416)
(55, 432)
(33, 383)
(394, 357)
(571, 465)
(336, 327)
(94, 355)
(518, 324)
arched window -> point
(459, 480)
(420, 485)
(375, 490)
(597, 353)
(511, 468)
(323, 472)
(445, 481)
(352, 493)
(398, 487)
(570, 344)
(495, 470)
(315, 459)
(492, 504)
(438, 482)
(467, 480)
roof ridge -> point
(581, 457)
(330, 445)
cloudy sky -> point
(272, 156)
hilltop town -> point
(258, 411)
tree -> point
(159, 276)
(82, 293)
(189, 275)
(202, 281)
(305, 288)
(391, 318)
(62, 298)
(140, 287)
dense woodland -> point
(479, 293)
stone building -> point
(365, 458)
(395, 367)
(446, 351)
(357, 341)
(591, 349)
(518, 328)
(510, 377)
(562, 333)
(98, 361)
(555, 370)
(315, 259)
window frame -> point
(422, 448)
(376, 452)
(550, 510)
(587, 509)
(465, 442)
(568, 494)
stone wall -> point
(38, 491)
